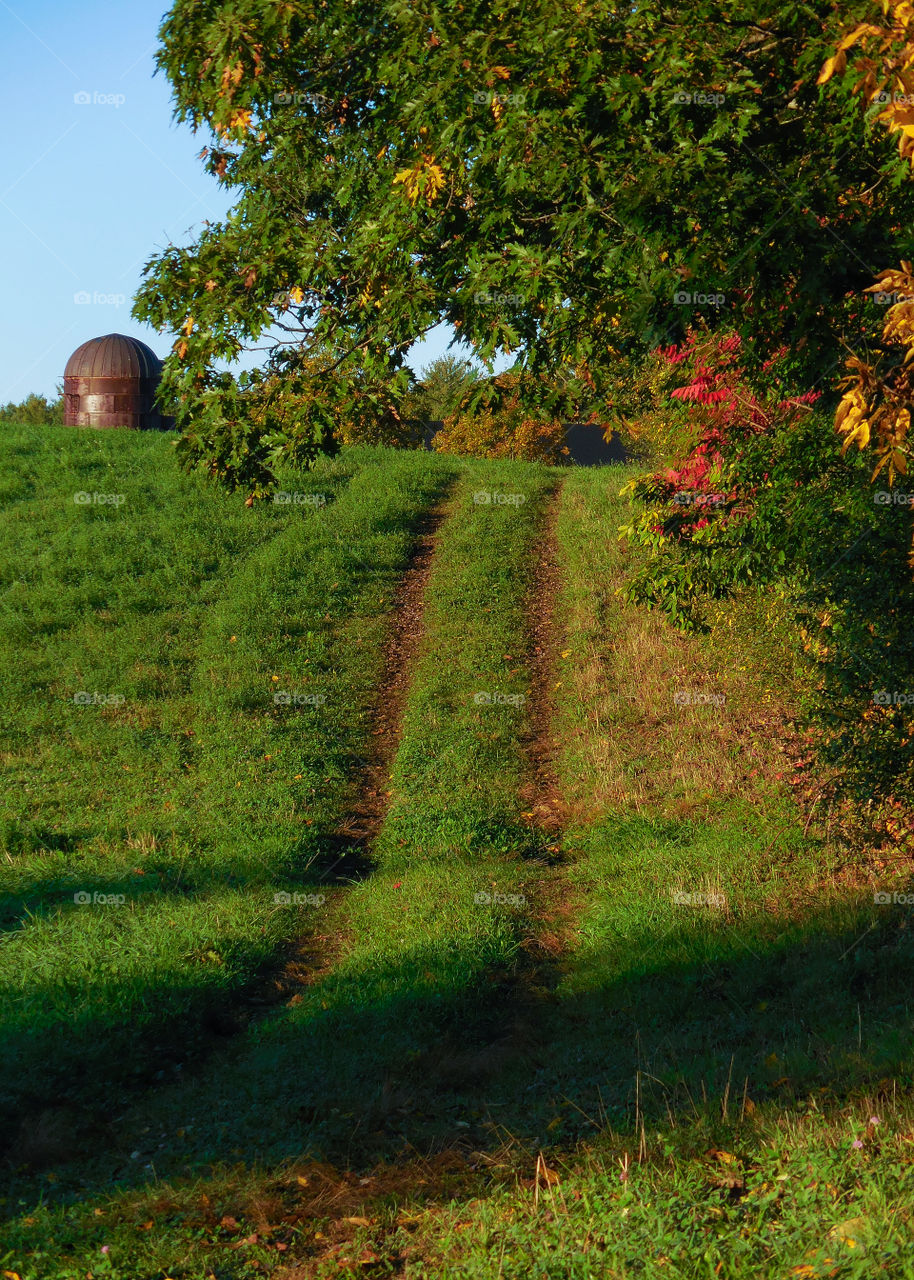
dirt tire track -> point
(542, 792)
(366, 816)
(312, 955)
(521, 993)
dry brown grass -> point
(629, 743)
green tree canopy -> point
(551, 179)
(34, 409)
(442, 386)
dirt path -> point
(368, 811)
(309, 957)
(542, 792)
(519, 994)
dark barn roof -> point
(113, 356)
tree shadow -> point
(424, 1053)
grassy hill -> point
(382, 895)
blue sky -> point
(96, 178)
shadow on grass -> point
(435, 1050)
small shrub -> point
(503, 429)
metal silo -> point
(111, 382)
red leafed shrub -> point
(722, 412)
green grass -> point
(706, 1070)
(418, 951)
(196, 797)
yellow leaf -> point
(849, 1232)
(358, 1222)
(502, 72)
(859, 432)
(425, 177)
(188, 325)
(835, 64)
(725, 1157)
(865, 29)
(862, 434)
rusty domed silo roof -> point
(113, 356)
(113, 381)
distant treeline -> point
(37, 410)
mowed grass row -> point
(196, 796)
(446, 902)
(731, 1080)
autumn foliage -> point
(505, 431)
(722, 411)
(875, 409)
